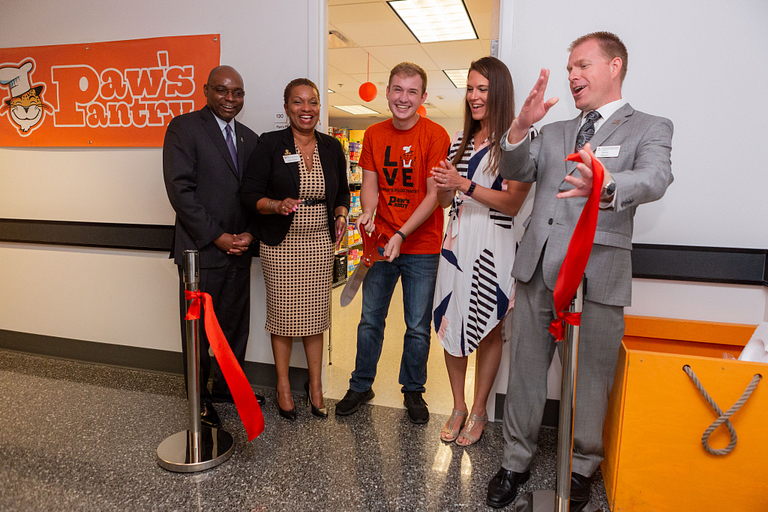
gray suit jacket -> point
(642, 172)
(204, 187)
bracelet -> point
(471, 189)
(340, 215)
(401, 234)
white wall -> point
(129, 297)
(702, 64)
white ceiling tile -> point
(354, 60)
(480, 11)
(370, 24)
(455, 54)
(393, 55)
(380, 79)
(353, 2)
(341, 82)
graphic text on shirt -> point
(391, 167)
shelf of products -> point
(348, 255)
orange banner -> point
(119, 93)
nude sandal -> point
(449, 434)
(465, 433)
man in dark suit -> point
(204, 156)
(635, 150)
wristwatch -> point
(608, 190)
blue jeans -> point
(418, 272)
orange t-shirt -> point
(402, 159)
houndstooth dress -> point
(298, 271)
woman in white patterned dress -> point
(475, 289)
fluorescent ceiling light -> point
(435, 20)
(356, 110)
(457, 76)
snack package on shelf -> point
(355, 173)
(354, 151)
(343, 135)
(354, 203)
(357, 238)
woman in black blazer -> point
(296, 181)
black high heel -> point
(321, 412)
(289, 415)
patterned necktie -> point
(231, 145)
(587, 130)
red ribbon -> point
(579, 249)
(245, 401)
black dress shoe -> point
(320, 412)
(502, 489)
(289, 415)
(208, 416)
(581, 487)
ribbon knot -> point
(557, 327)
(242, 394)
(193, 313)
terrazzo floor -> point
(83, 437)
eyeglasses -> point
(223, 91)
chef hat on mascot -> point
(16, 78)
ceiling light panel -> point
(457, 76)
(357, 110)
(432, 21)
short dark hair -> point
(611, 46)
(296, 82)
(409, 69)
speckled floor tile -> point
(83, 437)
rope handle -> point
(722, 417)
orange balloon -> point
(367, 91)
(422, 111)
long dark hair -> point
(499, 108)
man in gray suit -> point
(204, 156)
(635, 150)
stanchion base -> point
(542, 501)
(173, 454)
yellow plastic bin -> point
(654, 457)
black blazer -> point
(267, 175)
(204, 187)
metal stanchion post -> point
(559, 500)
(198, 448)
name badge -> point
(607, 151)
(291, 159)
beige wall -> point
(130, 297)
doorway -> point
(366, 39)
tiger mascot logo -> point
(25, 107)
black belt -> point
(312, 202)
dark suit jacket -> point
(269, 176)
(642, 170)
(203, 186)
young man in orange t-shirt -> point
(397, 157)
